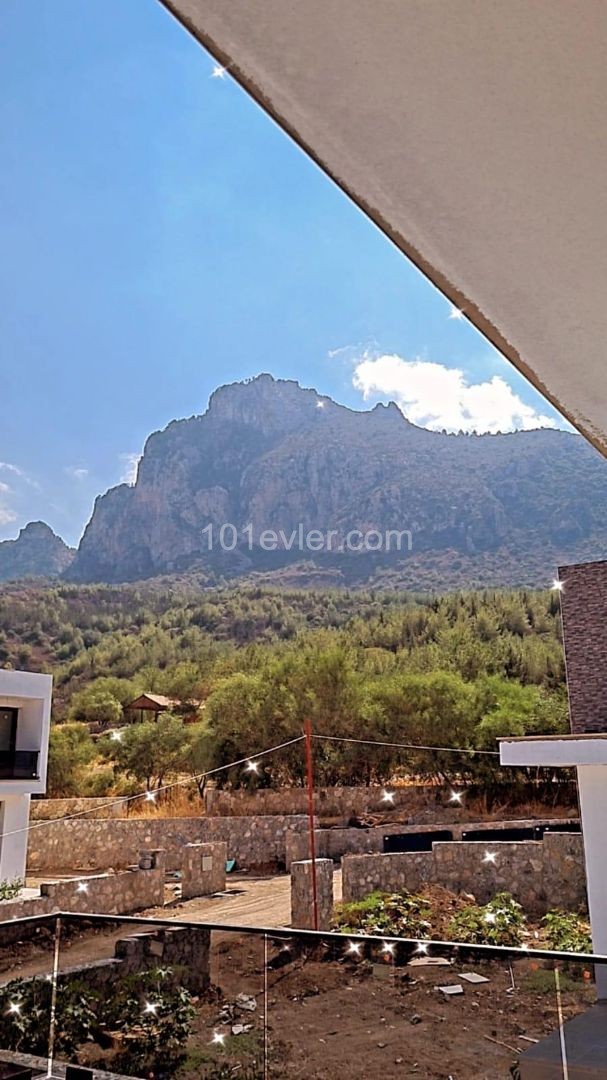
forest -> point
(247, 666)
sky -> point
(160, 237)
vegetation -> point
(566, 931)
(400, 915)
(141, 1038)
(453, 671)
(500, 922)
(10, 889)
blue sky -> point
(160, 237)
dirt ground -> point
(328, 1013)
(362, 1019)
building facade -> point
(25, 714)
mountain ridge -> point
(36, 552)
(271, 457)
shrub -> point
(10, 889)
(146, 1039)
(500, 922)
(150, 1040)
(26, 1001)
(566, 931)
(398, 914)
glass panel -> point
(137, 999)
(8, 729)
(27, 982)
(232, 1030)
(362, 1010)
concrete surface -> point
(472, 133)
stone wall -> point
(49, 809)
(203, 869)
(91, 845)
(333, 802)
(539, 874)
(335, 843)
(302, 895)
(104, 894)
(182, 950)
(584, 611)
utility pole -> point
(310, 777)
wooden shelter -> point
(155, 704)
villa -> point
(25, 711)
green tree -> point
(71, 750)
(152, 752)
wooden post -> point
(310, 777)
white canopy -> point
(473, 133)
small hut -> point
(152, 705)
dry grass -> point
(181, 802)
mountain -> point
(269, 461)
(37, 552)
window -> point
(8, 729)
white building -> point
(25, 714)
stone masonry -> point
(203, 869)
(334, 843)
(104, 894)
(331, 802)
(302, 905)
(50, 809)
(584, 604)
(539, 874)
(182, 951)
(90, 845)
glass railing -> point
(19, 764)
(157, 998)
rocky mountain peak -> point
(268, 405)
(37, 552)
(271, 456)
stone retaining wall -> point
(116, 843)
(49, 809)
(183, 951)
(104, 894)
(335, 843)
(539, 874)
(332, 802)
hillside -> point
(37, 552)
(269, 455)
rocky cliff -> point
(270, 459)
(37, 552)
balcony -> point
(19, 764)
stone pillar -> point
(302, 908)
(203, 869)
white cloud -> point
(130, 464)
(77, 472)
(434, 396)
(7, 516)
(6, 466)
(5, 489)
